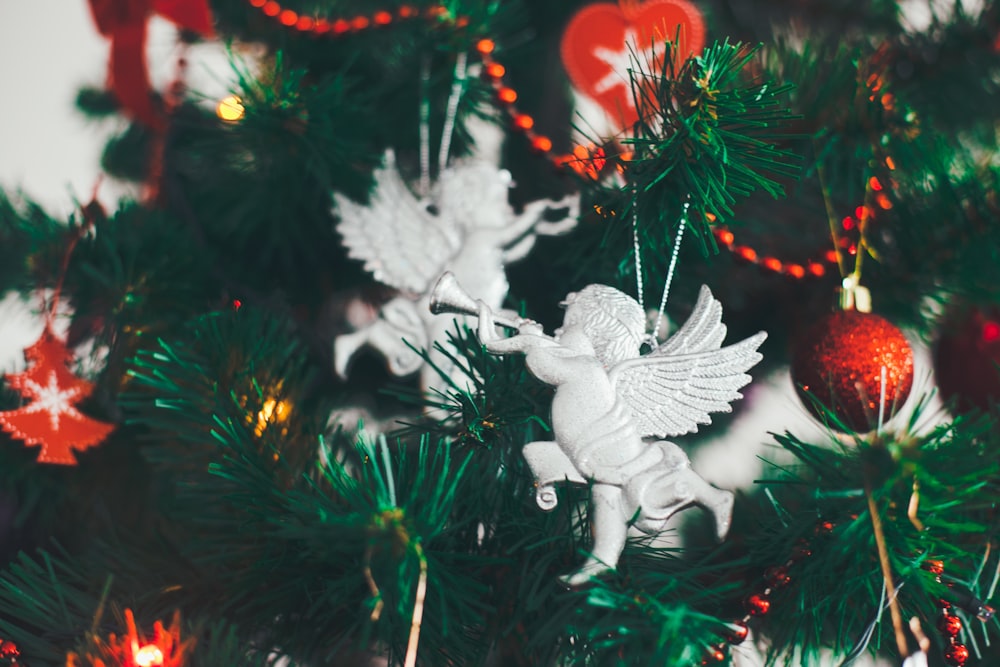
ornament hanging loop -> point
(853, 296)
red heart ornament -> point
(600, 40)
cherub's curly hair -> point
(616, 324)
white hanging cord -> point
(425, 131)
(670, 274)
(635, 246)
(881, 400)
(451, 113)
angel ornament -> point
(612, 405)
(467, 226)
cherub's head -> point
(612, 321)
(474, 193)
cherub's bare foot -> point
(583, 577)
(722, 510)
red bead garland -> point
(950, 625)
(9, 653)
(759, 603)
(809, 269)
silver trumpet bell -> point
(448, 296)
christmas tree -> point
(417, 345)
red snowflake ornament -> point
(51, 418)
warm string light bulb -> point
(273, 411)
(230, 109)
(149, 655)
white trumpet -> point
(448, 296)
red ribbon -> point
(124, 23)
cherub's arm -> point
(529, 335)
(530, 220)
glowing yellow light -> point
(149, 655)
(230, 109)
(272, 411)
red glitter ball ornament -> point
(966, 357)
(838, 362)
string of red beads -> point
(9, 653)
(320, 26)
(808, 269)
(758, 603)
(493, 71)
(949, 624)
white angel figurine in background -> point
(611, 405)
(467, 226)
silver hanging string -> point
(451, 113)
(670, 274)
(425, 130)
(638, 255)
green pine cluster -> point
(235, 489)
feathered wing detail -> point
(674, 389)
(702, 331)
(399, 241)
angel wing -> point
(674, 389)
(399, 241)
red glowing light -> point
(543, 144)
(991, 332)
(524, 122)
(507, 95)
(772, 264)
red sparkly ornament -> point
(838, 362)
(757, 604)
(737, 633)
(51, 418)
(777, 576)
(9, 653)
(949, 625)
(956, 654)
(966, 357)
(602, 39)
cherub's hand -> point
(530, 327)
(487, 329)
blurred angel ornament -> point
(611, 405)
(466, 226)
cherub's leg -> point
(386, 339)
(685, 487)
(344, 348)
(610, 530)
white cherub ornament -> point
(611, 405)
(466, 226)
